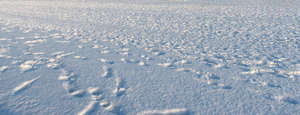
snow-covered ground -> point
(150, 57)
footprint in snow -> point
(68, 83)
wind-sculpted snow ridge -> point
(160, 57)
(24, 85)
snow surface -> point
(149, 57)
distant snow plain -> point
(149, 57)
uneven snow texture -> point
(149, 57)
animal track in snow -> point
(53, 63)
(28, 65)
(167, 64)
(107, 71)
(293, 73)
(69, 87)
(210, 61)
(155, 52)
(95, 46)
(105, 52)
(133, 61)
(182, 62)
(257, 70)
(263, 83)
(288, 100)
(97, 99)
(109, 106)
(68, 84)
(119, 90)
(80, 57)
(281, 98)
(124, 60)
(142, 63)
(66, 76)
(158, 53)
(147, 58)
(95, 93)
(211, 79)
(80, 46)
(106, 61)
(211, 76)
